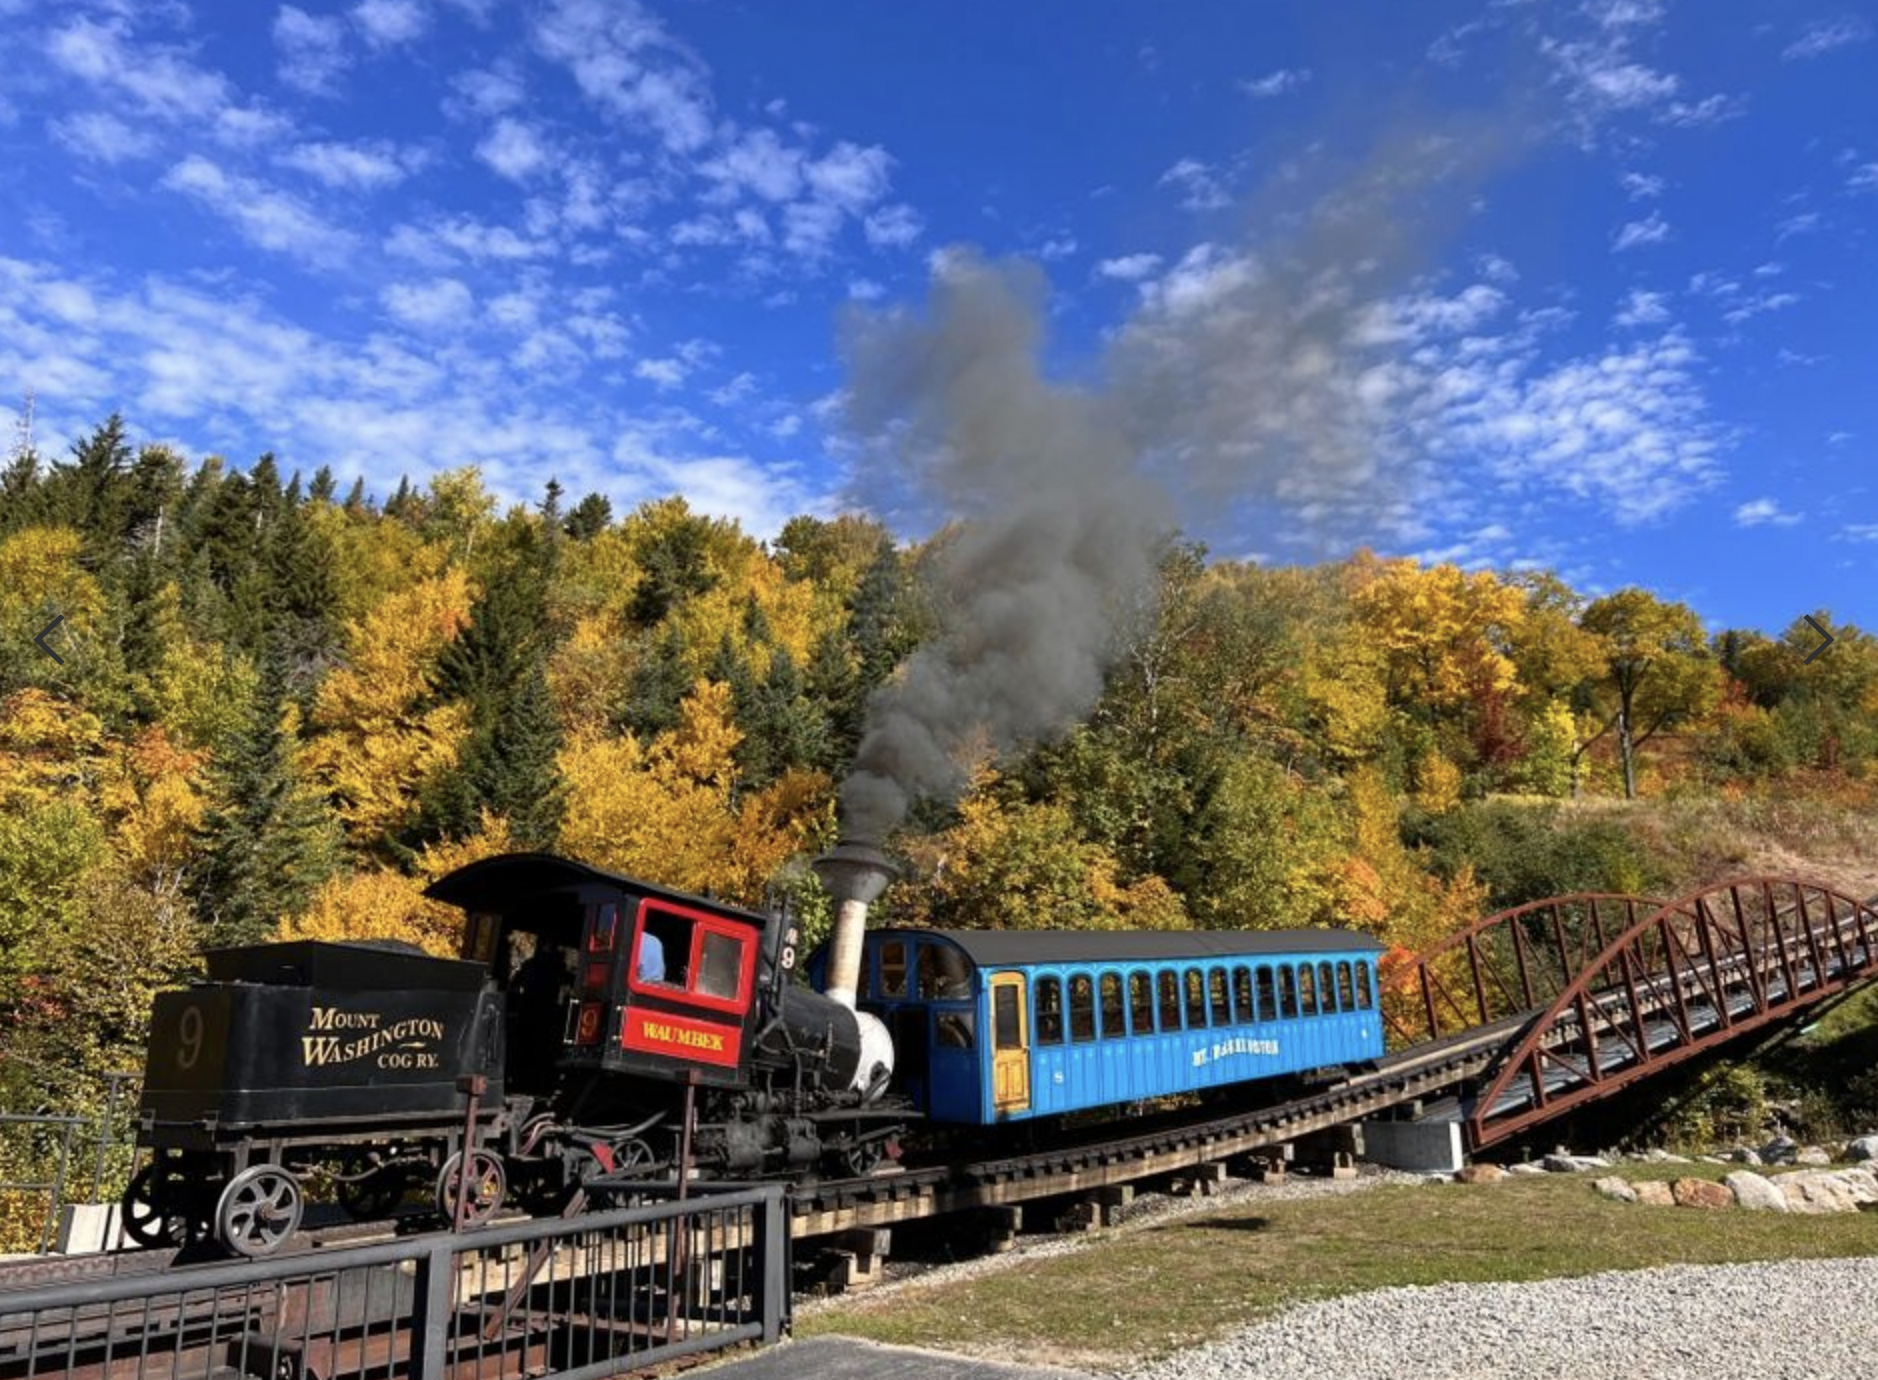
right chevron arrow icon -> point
(1822, 632)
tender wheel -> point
(259, 1209)
(487, 1184)
(373, 1194)
(157, 1207)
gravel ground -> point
(1789, 1320)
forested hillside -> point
(285, 703)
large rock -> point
(1661, 1156)
(1701, 1193)
(1654, 1193)
(1615, 1186)
(1524, 1169)
(1815, 1155)
(1780, 1150)
(1742, 1155)
(1862, 1149)
(1818, 1191)
(1561, 1163)
(1479, 1174)
(1752, 1191)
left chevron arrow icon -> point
(43, 645)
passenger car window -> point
(1114, 1017)
(1287, 993)
(1242, 996)
(1307, 990)
(1196, 1000)
(1141, 1003)
(1216, 989)
(1326, 989)
(1346, 990)
(1007, 1026)
(1362, 987)
(1170, 1001)
(1268, 996)
(893, 968)
(1049, 1013)
(1081, 1008)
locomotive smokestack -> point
(855, 874)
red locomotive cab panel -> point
(690, 979)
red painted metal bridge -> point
(1575, 997)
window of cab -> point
(708, 959)
(893, 969)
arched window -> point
(1326, 989)
(1287, 992)
(1170, 1000)
(1346, 988)
(1196, 999)
(1268, 996)
(1114, 1018)
(1141, 1002)
(1363, 1000)
(1081, 1007)
(1049, 1011)
(1307, 990)
(1242, 995)
(1216, 989)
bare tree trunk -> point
(1629, 754)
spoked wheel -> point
(487, 1184)
(373, 1193)
(159, 1207)
(259, 1209)
(861, 1160)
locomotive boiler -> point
(597, 1030)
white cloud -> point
(893, 227)
(1057, 247)
(389, 22)
(1129, 268)
(1827, 35)
(865, 290)
(1805, 223)
(1600, 77)
(759, 164)
(366, 166)
(624, 61)
(262, 215)
(1764, 512)
(1641, 186)
(1198, 184)
(102, 138)
(1653, 229)
(312, 50)
(1864, 178)
(489, 90)
(1710, 110)
(664, 374)
(851, 177)
(1276, 83)
(515, 150)
(1744, 309)
(442, 242)
(439, 302)
(1643, 309)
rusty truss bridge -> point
(1521, 1018)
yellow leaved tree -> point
(377, 741)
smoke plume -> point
(1259, 380)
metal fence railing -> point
(584, 1297)
(54, 1158)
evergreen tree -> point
(498, 668)
(153, 494)
(356, 500)
(323, 487)
(304, 576)
(661, 678)
(270, 840)
(591, 516)
(91, 491)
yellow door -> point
(1010, 1044)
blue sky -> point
(1621, 329)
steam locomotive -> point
(599, 1031)
(596, 1029)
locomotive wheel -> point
(487, 1184)
(157, 1207)
(861, 1160)
(259, 1209)
(372, 1195)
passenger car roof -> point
(991, 948)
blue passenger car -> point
(1003, 1025)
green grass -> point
(1146, 1292)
